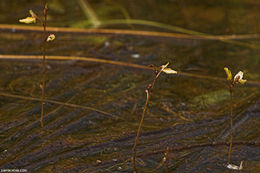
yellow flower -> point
(51, 37)
(228, 72)
(168, 70)
(31, 19)
(33, 14)
(28, 20)
(239, 78)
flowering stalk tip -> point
(228, 72)
(238, 78)
(167, 70)
(50, 38)
(29, 20)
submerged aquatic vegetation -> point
(46, 38)
(148, 91)
(238, 78)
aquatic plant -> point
(46, 38)
(148, 91)
(238, 78)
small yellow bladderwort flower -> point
(229, 74)
(31, 19)
(51, 37)
(168, 70)
(238, 77)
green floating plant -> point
(46, 38)
(238, 78)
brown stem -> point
(231, 123)
(148, 95)
(139, 130)
(44, 62)
(167, 159)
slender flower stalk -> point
(148, 92)
(46, 38)
(44, 62)
(231, 121)
(238, 78)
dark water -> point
(182, 111)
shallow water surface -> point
(187, 112)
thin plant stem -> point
(148, 95)
(167, 158)
(44, 62)
(139, 130)
(231, 123)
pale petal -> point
(51, 37)
(169, 71)
(235, 167)
(239, 74)
(239, 78)
(228, 72)
(28, 20)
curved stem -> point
(139, 129)
(148, 95)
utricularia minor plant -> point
(46, 38)
(148, 91)
(238, 78)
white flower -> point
(239, 78)
(51, 37)
(235, 167)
